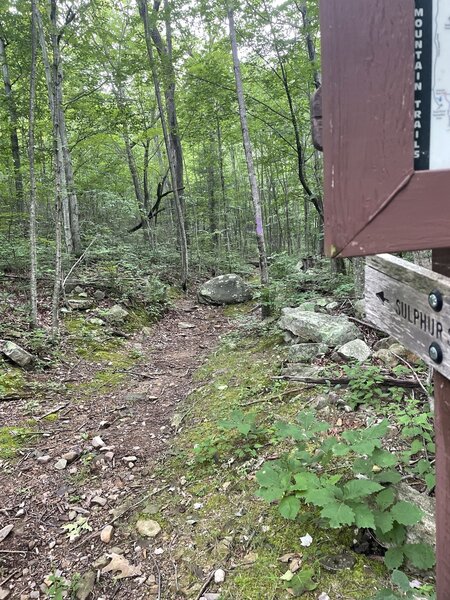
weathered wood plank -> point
(397, 302)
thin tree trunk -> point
(256, 200)
(13, 123)
(33, 253)
(58, 105)
(171, 156)
(49, 79)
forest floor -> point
(121, 478)
(128, 403)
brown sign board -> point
(386, 125)
(413, 305)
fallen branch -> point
(387, 381)
(205, 585)
(51, 412)
(75, 265)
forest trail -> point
(111, 439)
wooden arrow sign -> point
(413, 305)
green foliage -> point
(11, 381)
(364, 385)
(403, 589)
(76, 528)
(360, 493)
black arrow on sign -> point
(382, 297)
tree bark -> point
(256, 200)
(171, 153)
(58, 105)
(31, 119)
(13, 123)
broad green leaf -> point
(320, 497)
(383, 521)
(338, 515)
(406, 513)
(364, 516)
(289, 507)
(388, 477)
(394, 558)
(385, 498)
(306, 481)
(401, 580)
(421, 555)
(358, 488)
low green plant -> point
(404, 589)
(360, 492)
(76, 528)
(364, 385)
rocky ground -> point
(88, 463)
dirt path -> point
(105, 477)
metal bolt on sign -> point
(435, 300)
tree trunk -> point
(256, 200)
(49, 79)
(33, 253)
(171, 153)
(13, 123)
(67, 159)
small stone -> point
(99, 500)
(72, 515)
(129, 458)
(101, 561)
(219, 576)
(109, 455)
(356, 349)
(148, 527)
(211, 596)
(104, 424)
(5, 532)
(52, 544)
(35, 594)
(183, 325)
(44, 459)
(20, 512)
(99, 295)
(85, 585)
(97, 442)
(106, 534)
(151, 579)
(71, 456)
(61, 464)
(4, 593)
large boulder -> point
(318, 327)
(18, 355)
(225, 289)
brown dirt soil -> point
(133, 418)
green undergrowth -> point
(210, 502)
(12, 439)
(12, 380)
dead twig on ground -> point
(52, 411)
(387, 381)
(205, 585)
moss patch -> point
(11, 439)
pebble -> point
(99, 500)
(148, 527)
(106, 534)
(109, 455)
(97, 442)
(130, 458)
(44, 459)
(71, 456)
(35, 594)
(20, 512)
(104, 424)
(61, 464)
(4, 593)
(72, 515)
(219, 576)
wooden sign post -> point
(386, 141)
